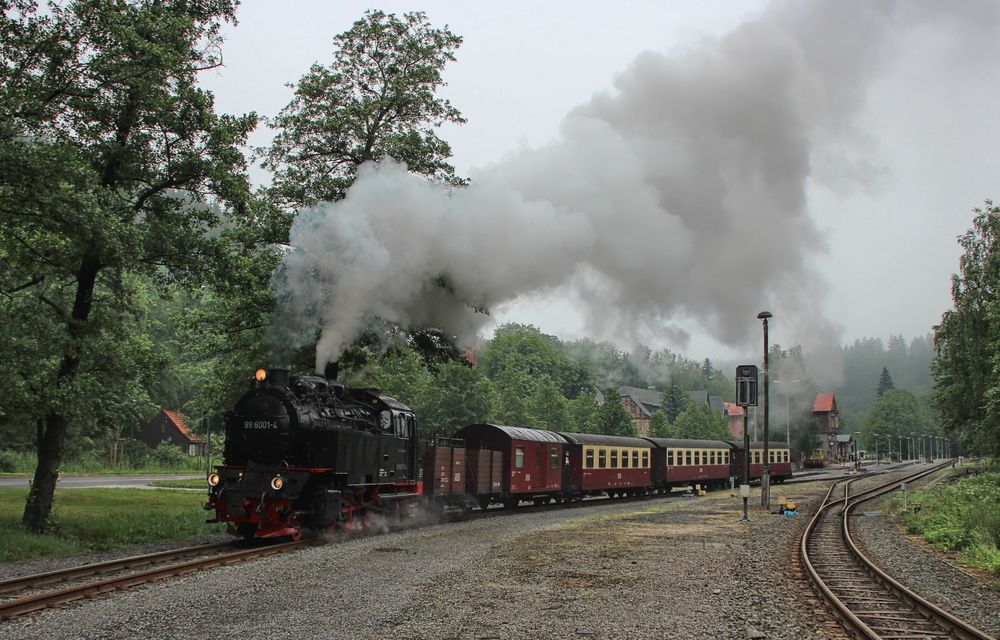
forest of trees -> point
(139, 256)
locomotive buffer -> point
(746, 396)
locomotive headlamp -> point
(260, 375)
(213, 480)
(277, 482)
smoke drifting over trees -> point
(678, 200)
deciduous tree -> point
(113, 163)
(377, 99)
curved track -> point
(33, 593)
(869, 602)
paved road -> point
(76, 482)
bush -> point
(962, 516)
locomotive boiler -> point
(307, 453)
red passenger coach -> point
(678, 463)
(615, 465)
(778, 452)
(532, 459)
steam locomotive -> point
(306, 453)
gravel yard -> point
(659, 568)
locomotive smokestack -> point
(331, 370)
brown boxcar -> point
(445, 470)
(687, 462)
(615, 465)
(532, 459)
(484, 479)
(778, 452)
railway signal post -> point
(765, 474)
(746, 396)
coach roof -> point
(675, 443)
(610, 441)
(514, 433)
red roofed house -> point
(734, 418)
(168, 426)
(825, 412)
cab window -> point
(519, 457)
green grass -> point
(190, 483)
(86, 520)
(963, 516)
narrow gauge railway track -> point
(869, 602)
(28, 594)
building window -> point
(519, 457)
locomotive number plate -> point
(260, 424)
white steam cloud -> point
(682, 194)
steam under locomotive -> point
(308, 453)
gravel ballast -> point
(677, 567)
(658, 568)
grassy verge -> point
(962, 515)
(95, 519)
(191, 483)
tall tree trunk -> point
(52, 437)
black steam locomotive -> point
(308, 453)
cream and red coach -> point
(615, 465)
(678, 463)
(778, 452)
(532, 461)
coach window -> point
(697, 457)
(554, 457)
(711, 457)
(635, 458)
(645, 459)
(687, 457)
(624, 458)
(670, 457)
(519, 457)
(602, 458)
(590, 458)
(614, 458)
(725, 457)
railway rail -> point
(869, 602)
(32, 593)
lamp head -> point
(764, 315)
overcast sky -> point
(887, 191)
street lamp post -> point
(765, 474)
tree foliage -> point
(377, 99)
(659, 425)
(701, 423)
(884, 383)
(114, 167)
(612, 418)
(674, 402)
(966, 388)
(897, 414)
